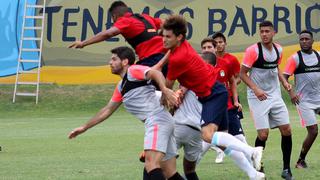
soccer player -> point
(140, 99)
(139, 30)
(235, 128)
(187, 131)
(305, 65)
(186, 66)
(267, 108)
(209, 45)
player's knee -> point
(313, 130)
(285, 130)
(263, 135)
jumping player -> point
(186, 66)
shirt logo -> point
(222, 74)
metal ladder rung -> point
(29, 72)
(30, 50)
(34, 17)
(25, 94)
(33, 27)
(27, 83)
(34, 6)
(31, 39)
(29, 61)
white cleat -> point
(259, 176)
(219, 158)
(256, 157)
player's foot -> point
(256, 157)
(142, 157)
(286, 174)
(259, 176)
(301, 164)
(219, 158)
(262, 167)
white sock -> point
(217, 149)
(241, 137)
(242, 162)
(205, 147)
(232, 143)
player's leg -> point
(308, 119)
(214, 116)
(279, 117)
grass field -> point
(35, 145)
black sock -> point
(156, 174)
(302, 156)
(176, 176)
(286, 146)
(192, 176)
(145, 174)
(260, 143)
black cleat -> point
(287, 175)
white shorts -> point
(159, 134)
(307, 115)
(190, 139)
(269, 113)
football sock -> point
(286, 147)
(176, 176)
(260, 143)
(192, 176)
(156, 174)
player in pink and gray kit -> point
(305, 66)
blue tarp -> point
(11, 18)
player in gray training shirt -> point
(264, 94)
(305, 65)
(139, 98)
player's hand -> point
(295, 99)
(74, 133)
(261, 95)
(238, 105)
(171, 97)
(76, 45)
(287, 86)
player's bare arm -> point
(102, 115)
(233, 84)
(261, 95)
(287, 86)
(104, 35)
(293, 95)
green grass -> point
(35, 145)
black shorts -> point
(235, 127)
(153, 60)
(214, 107)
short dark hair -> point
(177, 24)
(219, 34)
(210, 57)
(210, 40)
(306, 31)
(124, 52)
(119, 7)
(266, 24)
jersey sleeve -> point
(137, 72)
(250, 56)
(280, 49)
(123, 24)
(117, 97)
(290, 66)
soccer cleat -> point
(286, 174)
(142, 157)
(259, 176)
(219, 158)
(256, 157)
(301, 164)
